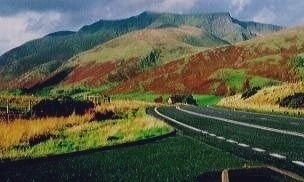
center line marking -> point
(243, 124)
(232, 141)
(243, 145)
(205, 132)
(258, 150)
(300, 163)
(220, 138)
(277, 156)
(211, 134)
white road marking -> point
(244, 124)
(277, 156)
(232, 141)
(220, 138)
(177, 122)
(204, 132)
(299, 163)
(255, 113)
(211, 134)
(294, 123)
(258, 150)
(243, 145)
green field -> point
(203, 100)
(141, 96)
(235, 79)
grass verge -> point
(266, 100)
(43, 137)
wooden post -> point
(225, 176)
(29, 106)
(7, 109)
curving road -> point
(273, 137)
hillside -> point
(38, 59)
(133, 53)
(266, 100)
(224, 70)
(172, 43)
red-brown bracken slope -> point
(266, 57)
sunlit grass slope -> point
(266, 100)
(172, 42)
(49, 136)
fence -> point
(97, 99)
(15, 107)
(12, 108)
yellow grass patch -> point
(21, 131)
(266, 99)
(75, 133)
(123, 105)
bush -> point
(150, 60)
(293, 101)
(186, 99)
(105, 116)
(61, 106)
(250, 92)
(298, 65)
(159, 100)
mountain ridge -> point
(53, 50)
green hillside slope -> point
(51, 51)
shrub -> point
(61, 106)
(186, 99)
(105, 116)
(250, 92)
(159, 100)
(293, 101)
(298, 65)
(150, 60)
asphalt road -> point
(273, 137)
(265, 139)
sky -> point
(24, 20)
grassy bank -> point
(266, 100)
(42, 137)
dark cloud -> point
(30, 19)
(80, 11)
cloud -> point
(265, 16)
(23, 20)
(15, 30)
(175, 5)
(240, 5)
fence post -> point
(7, 109)
(29, 106)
